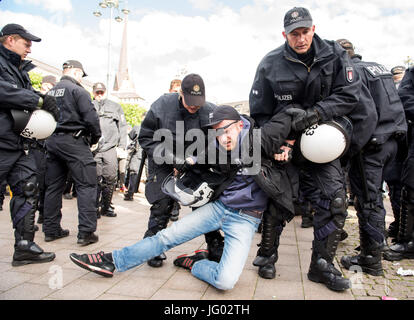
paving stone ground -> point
(62, 280)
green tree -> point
(36, 79)
(134, 114)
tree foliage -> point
(36, 79)
(134, 114)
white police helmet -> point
(186, 190)
(322, 143)
(38, 124)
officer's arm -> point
(274, 133)
(406, 93)
(146, 134)
(17, 98)
(345, 90)
(88, 113)
(261, 99)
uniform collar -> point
(71, 80)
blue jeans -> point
(238, 229)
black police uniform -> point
(366, 173)
(165, 113)
(17, 164)
(404, 248)
(69, 149)
(323, 79)
(135, 156)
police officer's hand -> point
(49, 105)
(94, 140)
(302, 119)
(183, 165)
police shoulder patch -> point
(349, 74)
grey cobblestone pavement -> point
(62, 280)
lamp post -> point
(111, 5)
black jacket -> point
(166, 113)
(16, 92)
(330, 84)
(76, 109)
(272, 178)
(390, 111)
(406, 93)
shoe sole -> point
(187, 255)
(47, 239)
(370, 271)
(319, 280)
(18, 263)
(97, 270)
(83, 244)
(401, 257)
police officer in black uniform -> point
(187, 108)
(69, 149)
(392, 175)
(404, 248)
(113, 127)
(315, 75)
(366, 173)
(135, 156)
(39, 151)
(17, 164)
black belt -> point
(253, 213)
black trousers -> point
(40, 158)
(408, 166)
(17, 169)
(67, 153)
(366, 176)
(322, 184)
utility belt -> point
(75, 133)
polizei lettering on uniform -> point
(172, 146)
(378, 70)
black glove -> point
(181, 165)
(302, 119)
(49, 105)
(94, 140)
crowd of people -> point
(298, 87)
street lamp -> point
(111, 5)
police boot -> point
(25, 250)
(369, 260)
(157, 261)
(267, 255)
(215, 245)
(107, 193)
(175, 211)
(404, 248)
(132, 187)
(307, 216)
(322, 269)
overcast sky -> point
(223, 41)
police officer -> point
(314, 75)
(69, 149)
(189, 109)
(404, 248)
(17, 164)
(39, 152)
(135, 156)
(397, 75)
(113, 127)
(175, 86)
(367, 167)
